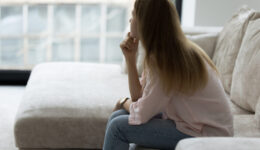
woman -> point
(180, 94)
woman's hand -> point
(129, 47)
(125, 105)
(118, 106)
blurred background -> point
(61, 31)
(36, 31)
(42, 31)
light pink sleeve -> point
(152, 102)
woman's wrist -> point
(130, 60)
(127, 104)
(122, 101)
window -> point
(88, 32)
(35, 31)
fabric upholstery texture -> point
(219, 144)
(237, 110)
(206, 41)
(198, 30)
(67, 105)
(246, 126)
(228, 45)
(246, 77)
(257, 113)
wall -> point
(212, 12)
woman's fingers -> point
(129, 45)
(124, 45)
(129, 34)
(124, 48)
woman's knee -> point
(117, 113)
(117, 123)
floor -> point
(10, 97)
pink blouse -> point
(206, 113)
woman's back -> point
(206, 113)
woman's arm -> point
(129, 48)
(154, 100)
(127, 104)
(133, 80)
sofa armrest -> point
(219, 143)
(206, 41)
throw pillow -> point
(228, 45)
(245, 90)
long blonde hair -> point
(179, 62)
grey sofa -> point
(66, 105)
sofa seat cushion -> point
(67, 105)
(246, 126)
(219, 143)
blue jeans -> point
(157, 133)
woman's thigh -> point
(117, 113)
(157, 133)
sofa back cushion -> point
(245, 90)
(205, 41)
(228, 45)
(257, 113)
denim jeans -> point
(156, 133)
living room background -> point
(37, 31)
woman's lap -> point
(157, 133)
(118, 113)
(124, 112)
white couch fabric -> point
(199, 30)
(246, 77)
(66, 105)
(228, 45)
(219, 144)
(206, 41)
(245, 125)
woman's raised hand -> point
(129, 47)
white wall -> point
(212, 12)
